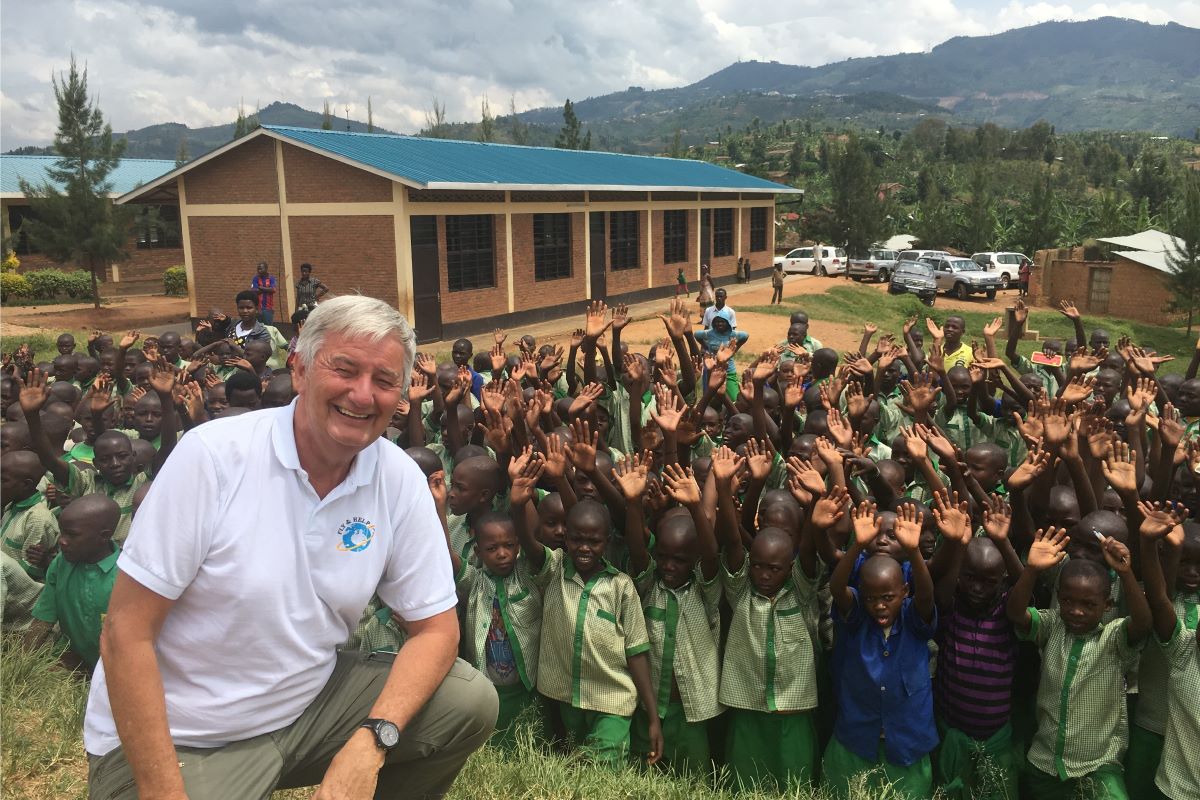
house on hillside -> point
(1131, 285)
(460, 236)
(152, 247)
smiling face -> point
(114, 458)
(348, 394)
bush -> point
(78, 284)
(47, 284)
(175, 281)
(10, 263)
(14, 287)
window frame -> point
(624, 240)
(478, 259)
(551, 248)
(722, 232)
(167, 234)
(758, 229)
(674, 237)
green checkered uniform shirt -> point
(24, 524)
(1081, 723)
(18, 593)
(519, 597)
(87, 481)
(1154, 672)
(1178, 774)
(590, 629)
(684, 626)
(377, 631)
(959, 427)
(770, 655)
(1023, 365)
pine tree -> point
(240, 127)
(181, 155)
(1038, 225)
(326, 118)
(72, 218)
(676, 150)
(435, 121)
(568, 137)
(858, 214)
(487, 123)
(1184, 260)
(518, 131)
(370, 116)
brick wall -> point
(349, 254)
(626, 280)
(313, 178)
(473, 304)
(530, 293)
(1135, 290)
(224, 252)
(141, 264)
(245, 174)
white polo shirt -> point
(268, 579)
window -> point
(674, 236)
(623, 240)
(723, 232)
(158, 226)
(551, 246)
(22, 244)
(470, 256)
(758, 229)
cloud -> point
(154, 61)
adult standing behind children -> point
(233, 621)
(721, 296)
(264, 284)
(309, 289)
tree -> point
(978, 225)
(487, 123)
(518, 131)
(72, 218)
(181, 155)
(370, 116)
(326, 118)
(244, 124)
(1152, 178)
(435, 121)
(568, 138)
(1037, 224)
(1183, 260)
(676, 150)
(857, 211)
(796, 160)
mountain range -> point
(1110, 74)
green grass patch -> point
(855, 305)
(42, 721)
(44, 345)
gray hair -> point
(358, 317)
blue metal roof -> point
(129, 174)
(451, 164)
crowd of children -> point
(927, 562)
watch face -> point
(389, 734)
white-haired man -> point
(262, 540)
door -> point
(799, 260)
(599, 253)
(1099, 281)
(427, 278)
(706, 236)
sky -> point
(154, 61)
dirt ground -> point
(116, 314)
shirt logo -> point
(356, 535)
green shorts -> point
(685, 744)
(840, 768)
(773, 750)
(604, 738)
(518, 707)
(974, 769)
(1106, 783)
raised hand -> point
(1020, 312)
(587, 395)
(828, 452)
(1048, 549)
(100, 395)
(726, 351)
(793, 391)
(677, 320)
(1036, 462)
(997, 518)
(129, 340)
(1159, 519)
(915, 445)
(596, 322)
(865, 522)
(1067, 309)
(761, 457)
(830, 509)
(669, 410)
(952, 516)
(993, 327)
(620, 316)
(681, 485)
(426, 364)
(555, 457)
(1116, 555)
(839, 429)
(163, 377)
(1083, 361)
(492, 396)
(419, 388)
(726, 464)
(630, 475)
(1079, 389)
(583, 449)
(1171, 427)
(942, 447)
(909, 522)
(524, 483)
(34, 392)
(935, 330)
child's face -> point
(885, 541)
(961, 384)
(770, 565)
(82, 544)
(675, 556)
(582, 483)
(114, 460)
(461, 353)
(984, 468)
(603, 421)
(720, 325)
(552, 523)
(1082, 601)
(147, 417)
(87, 369)
(467, 492)
(1189, 398)
(497, 548)
(882, 595)
(243, 398)
(954, 329)
(247, 312)
(737, 430)
(214, 399)
(1188, 578)
(64, 368)
(712, 424)
(586, 541)
(257, 353)
(66, 344)
(980, 580)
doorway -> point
(599, 252)
(427, 278)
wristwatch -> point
(387, 735)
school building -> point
(153, 245)
(460, 236)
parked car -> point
(914, 277)
(878, 266)
(961, 277)
(802, 260)
(917, 255)
(1007, 264)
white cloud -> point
(154, 61)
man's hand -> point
(354, 771)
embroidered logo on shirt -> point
(356, 535)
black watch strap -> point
(387, 734)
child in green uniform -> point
(18, 593)
(768, 677)
(1081, 723)
(502, 632)
(28, 529)
(79, 580)
(593, 658)
(1178, 774)
(680, 598)
(473, 488)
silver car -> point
(962, 277)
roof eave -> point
(592, 187)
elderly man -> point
(263, 538)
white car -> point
(803, 260)
(1007, 264)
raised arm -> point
(1158, 524)
(631, 478)
(908, 534)
(865, 524)
(33, 396)
(526, 469)
(1048, 549)
(725, 466)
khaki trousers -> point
(455, 722)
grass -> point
(42, 720)
(853, 305)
